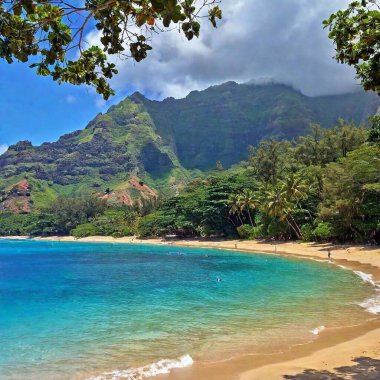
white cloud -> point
(3, 148)
(70, 99)
(283, 41)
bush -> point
(248, 232)
(324, 231)
(244, 231)
(308, 232)
(278, 230)
(155, 224)
(84, 230)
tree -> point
(351, 196)
(270, 159)
(235, 206)
(355, 32)
(68, 213)
(374, 133)
(51, 33)
(280, 201)
(247, 201)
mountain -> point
(142, 146)
(218, 124)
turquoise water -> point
(72, 309)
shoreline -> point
(332, 348)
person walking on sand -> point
(329, 254)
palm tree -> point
(295, 188)
(280, 202)
(247, 202)
(235, 206)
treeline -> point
(324, 186)
(320, 187)
(79, 217)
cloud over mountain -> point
(282, 41)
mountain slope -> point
(222, 121)
(140, 142)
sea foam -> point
(372, 304)
(317, 330)
(161, 367)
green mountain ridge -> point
(166, 143)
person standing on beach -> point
(329, 254)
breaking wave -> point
(317, 330)
(372, 304)
(161, 367)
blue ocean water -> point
(70, 309)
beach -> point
(333, 348)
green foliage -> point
(44, 32)
(246, 231)
(355, 32)
(308, 232)
(325, 186)
(153, 225)
(201, 210)
(278, 230)
(116, 222)
(14, 224)
(84, 230)
(324, 231)
(351, 196)
(374, 133)
(286, 189)
(220, 123)
(268, 159)
(165, 143)
(65, 214)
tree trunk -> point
(249, 215)
(293, 224)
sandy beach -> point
(333, 348)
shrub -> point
(155, 224)
(324, 231)
(308, 232)
(248, 232)
(278, 230)
(244, 231)
(84, 230)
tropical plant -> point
(247, 201)
(356, 35)
(235, 206)
(280, 201)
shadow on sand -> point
(364, 369)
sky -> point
(257, 41)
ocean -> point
(104, 311)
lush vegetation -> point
(140, 148)
(79, 216)
(355, 32)
(323, 186)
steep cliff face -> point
(159, 142)
(218, 124)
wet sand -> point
(337, 353)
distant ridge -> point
(158, 142)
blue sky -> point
(37, 109)
(257, 41)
